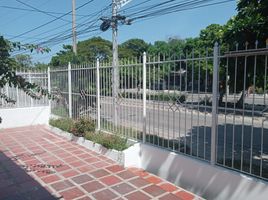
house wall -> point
(18, 117)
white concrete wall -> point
(210, 182)
(18, 117)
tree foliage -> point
(250, 23)
(8, 75)
(24, 60)
(133, 48)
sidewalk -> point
(36, 164)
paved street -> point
(193, 129)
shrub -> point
(107, 140)
(259, 90)
(82, 126)
(86, 128)
(65, 124)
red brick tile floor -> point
(36, 164)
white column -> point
(214, 103)
(70, 89)
(144, 96)
(49, 88)
(98, 93)
(30, 81)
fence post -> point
(98, 93)
(7, 90)
(214, 103)
(144, 96)
(70, 89)
(17, 94)
(30, 81)
(49, 89)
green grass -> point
(65, 124)
(108, 140)
(60, 111)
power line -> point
(38, 10)
(151, 11)
(58, 37)
(143, 18)
(49, 22)
(23, 15)
(160, 7)
(84, 23)
(140, 14)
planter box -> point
(115, 155)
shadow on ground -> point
(16, 184)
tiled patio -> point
(36, 164)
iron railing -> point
(210, 104)
(21, 99)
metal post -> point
(17, 94)
(18, 97)
(7, 90)
(70, 89)
(74, 27)
(49, 88)
(144, 97)
(98, 94)
(214, 103)
(30, 81)
(115, 60)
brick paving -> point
(36, 164)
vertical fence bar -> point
(98, 93)
(214, 103)
(7, 90)
(144, 97)
(70, 89)
(18, 97)
(49, 89)
(30, 81)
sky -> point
(18, 24)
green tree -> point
(63, 57)
(132, 48)
(91, 49)
(8, 75)
(87, 51)
(210, 35)
(24, 60)
(159, 47)
(41, 66)
(250, 24)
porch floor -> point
(36, 164)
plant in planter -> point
(65, 124)
(81, 126)
(85, 127)
(107, 140)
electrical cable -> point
(49, 22)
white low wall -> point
(18, 117)
(210, 182)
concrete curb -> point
(118, 156)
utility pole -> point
(115, 60)
(74, 27)
(113, 22)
